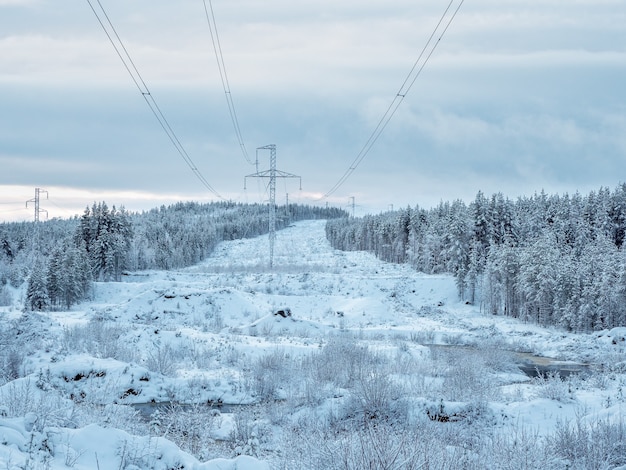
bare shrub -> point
(20, 398)
(518, 448)
(139, 452)
(342, 361)
(422, 337)
(249, 431)
(268, 374)
(598, 444)
(465, 376)
(161, 359)
(553, 387)
(232, 356)
(190, 427)
(372, 445)
(216, 322)
(110, 416)
(100, 339)
(375, 394)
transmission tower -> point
(38, 192)
(272, 174)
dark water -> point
(528, 363)
(148, 409)
(539, 366)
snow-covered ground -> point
(208, 338)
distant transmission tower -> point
(38, 210)
(272, 174)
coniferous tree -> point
(55, 278)
(617, 215)
(417, 228)
(76, 275)
(37, 291)
(458, 251)
(474, 270)
(401, 240)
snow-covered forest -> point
(60, 258)
(177, 357)
(551, 259)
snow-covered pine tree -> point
(37, 291)
(458, 245)
(54, 277)
(76, 275)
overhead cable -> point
(410, 79)
(64, 209)
(132, 70)
(217, 48)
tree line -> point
(551, 259)
(59, 259)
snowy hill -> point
(237, 386)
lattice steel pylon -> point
(272, 174)
(38, 192)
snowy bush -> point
(553, 387)
(269, 373)
(110, 416)
(342, 361)
(190, 427)
(375, 394)
(465, 375)
(249, 431)
(196, 352)
(520, 448)
(21, 398)
(137, 453)
(99, 338)
(595, 445)
(367, 445)
(160, 359)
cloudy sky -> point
(519, 96)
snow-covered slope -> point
(209, 334)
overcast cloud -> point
(519, 96)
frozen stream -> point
(530, 364)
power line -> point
(221, 65)
(132, 70)
(410, 79)
(4, 210)
(64, 209)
